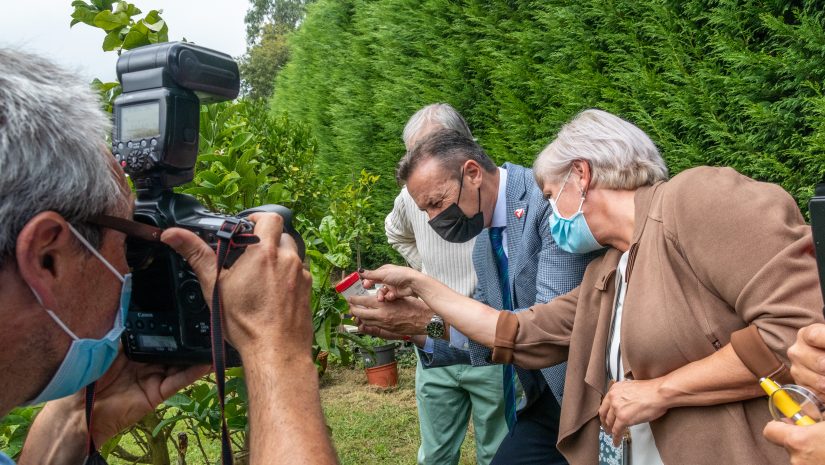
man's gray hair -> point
(621, 156)
(441, 114)
(52, 149)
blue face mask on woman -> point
(87, 359)
(571, 234)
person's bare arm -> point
(630, 402)
(266, 308)
(406, 315)
(127, 392)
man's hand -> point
(629, 403)
(407, 316)
(265, 294)
(808, 358)
(124, 395)
(805, 444)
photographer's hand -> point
(125, 394)
(805, 444)
(265, 297)
(807, 357)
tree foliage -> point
(723, 82)
(268, 23)
(263, 61)
(280, 13)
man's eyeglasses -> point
(132, 229)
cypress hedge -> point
(726, 83)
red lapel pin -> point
(519, 213)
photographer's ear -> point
(42, 253)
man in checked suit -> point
(518, 264)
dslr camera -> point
(817, 209)
(155, 140)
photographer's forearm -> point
(286, 421)
(474, 319)
(57, 436)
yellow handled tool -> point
(785, 403)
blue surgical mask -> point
(572, 234)
(87, 359)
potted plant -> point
(380, 365)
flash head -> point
(157, 116)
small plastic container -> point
(351, 286)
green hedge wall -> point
(712, 82)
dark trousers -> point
(533, 440)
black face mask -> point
(453, 225)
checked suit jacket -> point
(538, 272)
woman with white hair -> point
(688, 262)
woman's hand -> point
(630, 403)
(397, 280)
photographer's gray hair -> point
(53, 154)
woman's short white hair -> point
(53, 155)
(621, 156)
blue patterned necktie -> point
(496, 236)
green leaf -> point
(112, 41)
(177, 400)
(103, 4)
(14, 420)
(84, 15)
(152, 17)
(132, 10)
(340, 260)
(322, 335)
(109, 21)
(241, 140)
(110, 445)
(157, 26)
(135, 39)
(165, 422)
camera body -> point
(817, 209)
(155, 140)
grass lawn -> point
(369, 426)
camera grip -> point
(286, 214)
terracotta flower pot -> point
(383, 375)
(322, 362)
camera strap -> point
(233, 236)
(230, 239)
(93, 457)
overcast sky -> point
(42, 26)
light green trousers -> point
(446, 397)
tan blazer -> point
(713, 252)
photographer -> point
(64, 287)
